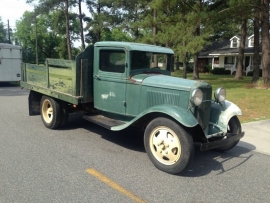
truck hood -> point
(166, 82)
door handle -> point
(97, 77)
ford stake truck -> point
(120, 85)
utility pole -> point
(8, 33)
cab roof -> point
(130, 46)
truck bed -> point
(67, 80)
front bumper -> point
(230, 137)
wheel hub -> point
(47, 111)
(165, 145)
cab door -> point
(110, 80)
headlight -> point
(220, 94)
(197, 97)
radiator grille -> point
(158, 98)
(203, 111)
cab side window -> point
(112, 61)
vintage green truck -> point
(120, 85)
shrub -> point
(207, 68)
(251, 73)
(220, 71)
(189, 67)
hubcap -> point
(165, 145)
(47, 111)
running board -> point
(103, 121)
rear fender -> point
(221, 114)
(182, 116)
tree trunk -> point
(265, 42)
(256, 57)
(185, 66)
(67, 30)
(196, 57)
(184, 60)
(99, 31)
(195, 67)
(81, 25)
(239, 69)
(154, 35)
(177, 63)
(136, 33)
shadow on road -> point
(12, 89)
(209, 161)
(130, 138)
(203, 163)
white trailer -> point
(10, 62)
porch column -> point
(213, 62)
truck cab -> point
(120, 85)
(119, 71)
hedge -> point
(220, 71)
(251, 73)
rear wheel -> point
(234, 126)
(168, 145)
(50, 110)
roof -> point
(224, 48)
(130, 46)
(9, 46)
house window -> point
(251, 42)
(234, 43)
(229, 60)
(216, 60)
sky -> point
(13, 10)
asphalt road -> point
(42, 165)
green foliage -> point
(207, 68)
(51, 35)
(186, 26)
(3, 32)
(115, 35)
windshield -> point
(149, 60)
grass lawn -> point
(253, 101)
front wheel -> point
(234, 126)
(168, 145)
(50, 111)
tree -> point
(3, 32)
(104, 17)
(47, 41)
(265, 42)
(81, 25)
(45, 6)
(116, 34)
(241, 56)
(240, 12)
(256, 57)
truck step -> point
(103, 121)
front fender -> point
(181, 115)
(221, 114)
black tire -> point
(64, 115)
(168, 145)
(234, 126)
(50, 111)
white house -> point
(223, 54)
